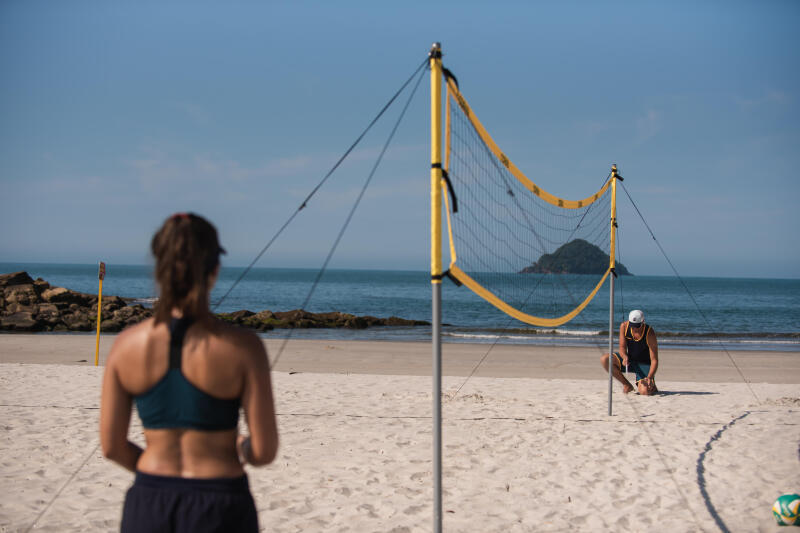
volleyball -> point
(785, 509)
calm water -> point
(742, 314)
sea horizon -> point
(377, 269)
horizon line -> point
(315, 269)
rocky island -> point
(575, 257)
(34, 305)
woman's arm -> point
(261, 446)
(115, 416)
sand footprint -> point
(419, 476)
(414, 509)
(369, 508)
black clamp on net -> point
(449, 275)
(450, 189)
(450, 76)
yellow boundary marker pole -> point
(101, 273)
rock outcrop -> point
(33, 305)
(575, 257)
(267, 320)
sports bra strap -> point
(177, 331)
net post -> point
(101, 273)
(610, 341)
(611, 256)
(435, 56)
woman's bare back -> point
(216, 359)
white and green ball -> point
(786, 509)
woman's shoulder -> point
(135, 333)
(241, 339)
(132, 340)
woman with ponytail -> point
(189, 373)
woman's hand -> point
(243, 448)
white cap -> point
(636, 317)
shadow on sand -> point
(683, 393)
(701, 472)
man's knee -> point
(604, 360)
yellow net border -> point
(453, 92)
(463, 277)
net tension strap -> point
(450, 189)
(445, 175)
(446, 274)
(620, 178)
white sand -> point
(520, 454)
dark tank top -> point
(638, 351)
(174, 402)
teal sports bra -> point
(174, 402)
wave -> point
(144, 302)
(527, 332)
(478, 336)
(695, 340)
(742, 339)
(560, 338)
(732, 334)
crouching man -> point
(638, 352)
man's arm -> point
(623, 345)
(653, 344)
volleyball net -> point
(536, 257)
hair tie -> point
(177, 216)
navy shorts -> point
(176, 504)
(640, 369)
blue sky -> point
(115, 115)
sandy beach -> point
(528, 444)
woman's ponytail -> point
(186, 250)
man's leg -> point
(645, 386)
(626, 385)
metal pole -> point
(436, 276)
(437, 407)
(610, 340)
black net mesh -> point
(540, 259)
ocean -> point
(737, 313)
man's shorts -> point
(640, 369)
